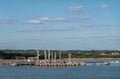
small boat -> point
(106, 63)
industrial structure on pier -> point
(50, 59)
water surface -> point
(61, 72)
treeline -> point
(11, 54)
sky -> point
(60, 24)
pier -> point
(50, 59)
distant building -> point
(115, 53)
(103, 54)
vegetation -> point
(11, 54)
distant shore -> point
(7, 61)
(93, 59)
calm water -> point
(74, 72)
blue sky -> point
(60, 24)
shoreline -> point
(7, 61)
(92, 59)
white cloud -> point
(60, 19)
(7, 20)
(76, 9)
(53, 19)
(44, 19)
(104, 6)
(33, 22)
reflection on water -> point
(61, 72)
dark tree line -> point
(11, 54)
